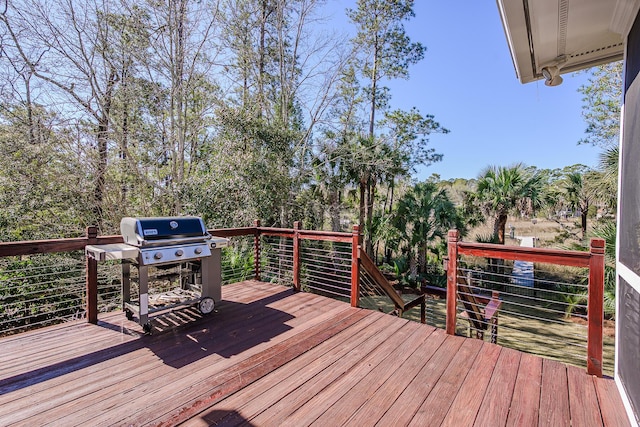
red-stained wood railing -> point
(593, 260)
(8, 249)
(34, 247)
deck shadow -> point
(233, 329)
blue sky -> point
(468, 82)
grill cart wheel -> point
(146, 328)
(206, 305)
(129, 314)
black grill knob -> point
(198, 251)
(157, 255)
(179, 252)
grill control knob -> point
(157, 255)
(179, 252)
(198, 251)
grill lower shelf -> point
(162, 302)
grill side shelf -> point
(112, 251)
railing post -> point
(452, 271)
(92, 279)
(296, 256)
(355, 265)
(256, 250)
(595, 313)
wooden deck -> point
(271, 357)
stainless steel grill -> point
(162, 243)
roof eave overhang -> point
(579, 35)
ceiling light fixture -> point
(552, 76)
(551, 71)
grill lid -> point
(160, 230)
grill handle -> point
(174, 241)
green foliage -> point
(423, 217)
(602, 97)
(381, 31)
(603, 229)
(487, 238)
(237, 263)
(503, 190)
(40, 290)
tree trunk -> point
(499, 227)
(363, 186)
(374, 84)
(101, 168)
(27, 84)
(261, 57)
(334, 209)
(422, 258)
(102, 135)
(371, 193)
(413, 265)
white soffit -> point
(572, 34)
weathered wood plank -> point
(403, 409)
(198, 382)
(178, 350)
(350, 393)
(495, 406)
(525, 403)
(281, 411)
(273, 357)
(328, 397)
(167, 347)
(250, 370)
(376, 406)
(465, 406)
(169, 392)
(611, 407)
(253, 399)
(583, 401)
(554, 395)
(437, 404)
(99, 348)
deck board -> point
(437, 404)
(525, 404)
(494, 409)
(372, 410)
(270, 356)
(466, 405)
(252, 399)
(554, 395)
(583, 401)
(610, 403)
(402, 411)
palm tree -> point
(503, 190)
(424, 214)
(606, 187)
(607, 230)
(580, 194)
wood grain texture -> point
(525, 403)
(583, 401)
(611, 407)
(271, 356)
(495, 406)
(554, 395)
(465, 407)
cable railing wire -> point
(541, 308)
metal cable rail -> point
(535, 314)
(322, 268)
